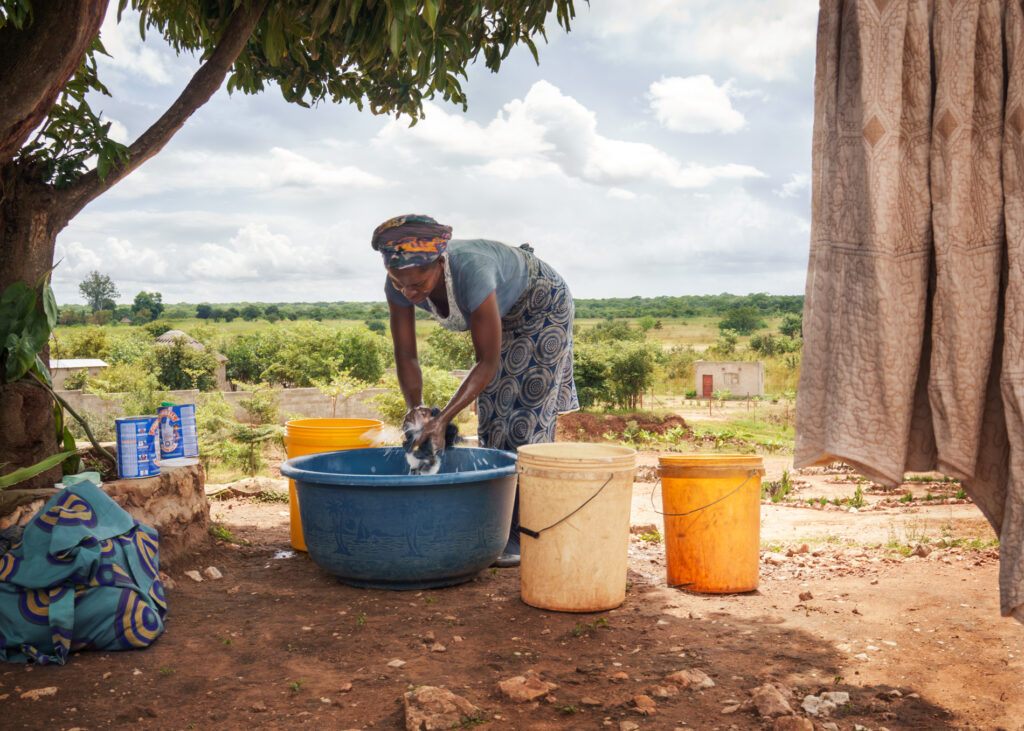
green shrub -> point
(448, 350)
(179, 366)
(76, 380)
(743, 319)
(86, 342)
(590, 369)
(438, 388)
(298, 354)
(631, 372)
(610, 331)
(138, 388)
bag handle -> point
(750, 474)
(536, 533)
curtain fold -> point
(914, 311)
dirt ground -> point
(916, 641)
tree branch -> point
(203, 85)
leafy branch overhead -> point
(389, 55)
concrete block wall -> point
(300, 403)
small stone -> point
(816, 706)
(107, 674)
(921, 550)
(326, 701)
(620, 676)
(691, 678)
(731, 709)
(770, 701)
(874, 581)
(645, 705)
(894, 693)
(525, 688)
(34, 695)
(437, 647)
(662, 691)
(396, 663)
(258, 707)
(212, 572)
(429, 637)
(136, 671)
(429, 709)
(345, 687)
(628, 726)
(806, 596)
(837, 697)
(456, 638)
(792, 723)
(167, 581)
(194, 575)
(588, 701)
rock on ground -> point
(770, 701)
(691, 678)
(792, 723)
(428, 708)
(525, 688)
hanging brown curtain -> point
(914, 316)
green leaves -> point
(25, 328)
(13, 478)
(73, 134)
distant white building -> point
(61, 369)
(739, 378)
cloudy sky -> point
(660, 148)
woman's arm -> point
(407, 365)
(485, 329)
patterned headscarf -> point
(410, 241)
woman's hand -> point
(433, 430)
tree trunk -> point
(30, 219)
(36, 62)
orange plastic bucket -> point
(312, 436)
(712, 505)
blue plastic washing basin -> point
(370, 523)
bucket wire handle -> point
(536, 533)
(750, 474)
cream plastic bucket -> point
(312, 436)
(577, 499)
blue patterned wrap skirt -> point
(534, 381)
(84, 576)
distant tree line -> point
(374, 314)
(689, 305)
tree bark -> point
(36, 62)
(29, 221)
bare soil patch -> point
(916, 642)
(582, 426)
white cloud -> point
(545, 132)
(118, 132)
(694, 104)
(755, 37)
(621, 194)
(795, 186)
(277, 170)
(127, 51)
(759, 38)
